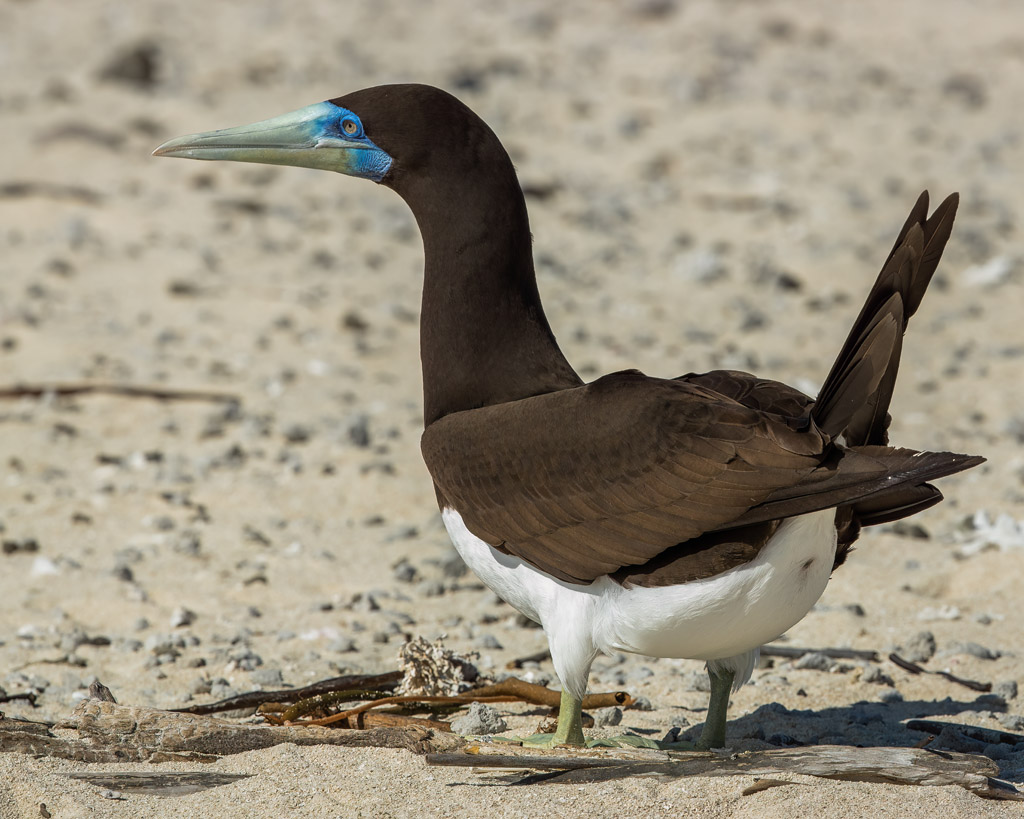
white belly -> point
(720, 617)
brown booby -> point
(696, 517)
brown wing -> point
(761, 394)
(582, 482)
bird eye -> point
(350, 127)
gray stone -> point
(641, 704)
(270, 677)
(697, 681)
(975, 650)
(874, 675)
(1006, 689)
(430, 588)
(605, 717)
(201, 685)
(245, 659)
(918, 649)
(815, 661)
(182, 616)
(342, 645)
(452, 565)
(405, 572)
(480, 720)
(1011, 722)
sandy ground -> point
(711, 184)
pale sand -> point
(692, 157)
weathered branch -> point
(253, 699)
(897, 766)
(914, 668)
(105, 732)
(126, 390)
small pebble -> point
(182, 616)
(452, 565)
(874, 675)
(697, 681)
(245, 659)
(815, 661)
(489, 641)
(480, 720)
(918, 649)
(405, 572)
(641, 704)
(1011, 722)
(430, 588)
(975, 650)
(1006, 689)
(269, 677)
(606, 717)
(342, 645)
(201, 685)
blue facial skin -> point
(324, 136)
(368, 161)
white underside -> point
(722, 619)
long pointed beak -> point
(310, 137)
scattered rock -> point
(1006, 689)
(696, 681)
(874, 675)
(267, 677)
(182, 616)
(974, 650)
(918, 649)
(342, 645)
(136, 66)
(405, 572)
(606, 717)
(480, 720)
(815, 661)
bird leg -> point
(570, 720)
(570, 725)
(713, 733)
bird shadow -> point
(867, 724)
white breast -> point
(719, 617)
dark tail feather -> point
(854, 400)
(881, 482)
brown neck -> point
(484, 338)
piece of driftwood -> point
(159, 784)
(510, 690)
(254, 699)
(789, 652)
(989, 736)
(126, 390)
(100, 731)
(914, 668)
(897, 766)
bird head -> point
(386, 134)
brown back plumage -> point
(657, 481)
